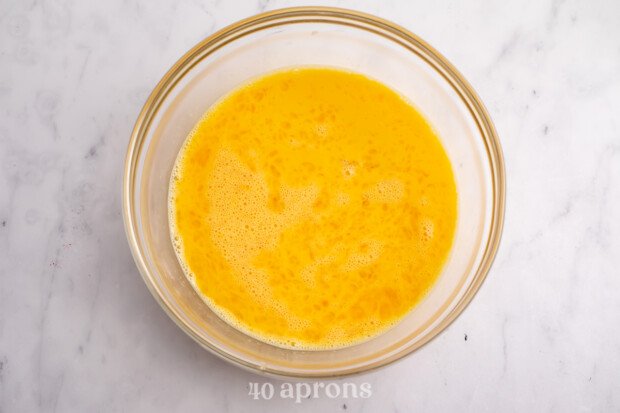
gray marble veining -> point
(79, 330)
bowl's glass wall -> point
(216, 68)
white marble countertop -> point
(80, 332)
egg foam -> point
(312, 208)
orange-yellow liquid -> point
(312, 208)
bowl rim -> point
(398, 34)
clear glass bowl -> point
(321, 37)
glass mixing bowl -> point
(314, 36)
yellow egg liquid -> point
(312, 208)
